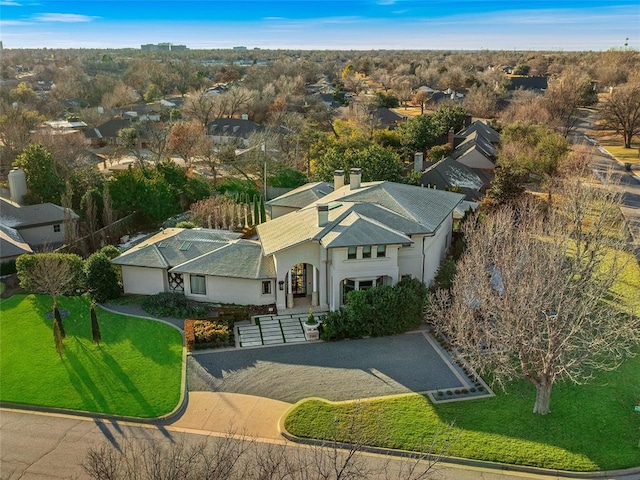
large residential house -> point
(235, 131)
(322, 242)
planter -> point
(311, 331)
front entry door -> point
(299, 280)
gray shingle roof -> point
(448, 173)
(479, 142)
(175, 246)
(11, 243)
(239, 259)
(302, 196)
(354, 230)
(233, 127)
(25, 216)
(402, 208)
(484, 129)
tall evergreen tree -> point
(95, 328)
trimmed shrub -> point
(111, 251)
(379, 311)
(173, 304)
(101, 278)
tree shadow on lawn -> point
(99, 396)
(584, 419)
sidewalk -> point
(233, 412)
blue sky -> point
(316, 24)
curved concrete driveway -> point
(346, 370)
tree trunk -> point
(543, 397)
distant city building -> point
(163, 47)
(240, 48)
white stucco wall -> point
(143, 280)
(43, 235)
(232, 290)
(436, 248)
(342, 267)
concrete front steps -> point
(271, 330)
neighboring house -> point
(481, 128)
(205, 265)
(386, 118)
(476, 151)
(351, 237)
(233, 130)
(528, 83)
(107, 133)
(140, 112)
(40, 226)
(448, 174)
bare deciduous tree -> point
(529, 297)
(621, 111)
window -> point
(56, 228)
(365, 284)
(366, 251)
(351, 253)
(266, 287)
(381, 251)
(347, 286)
(198, 284)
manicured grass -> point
(136, 370)
(591, 427)
(627, 155)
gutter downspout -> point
(423, 257)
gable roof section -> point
(475, 140)
(303, 195)
(239, 259)
(28, 216)
(483, 129)
(448, 173)
(109, 129)
(11, 243)
(353, 228)
(174, 246)
(424, 206)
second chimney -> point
(323, 214)
(355, 175)
(418, 161)
(338, 179)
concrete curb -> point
(161, 420)
(467, 462)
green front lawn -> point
(135, 371)
(591, 427)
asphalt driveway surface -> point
(346, 370)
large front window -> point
(198, 285)
(349, 285)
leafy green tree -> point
(43, 181)
(377, 163)
(287, 177)
(417, 134)
(101, 278)
(386, 100)
(507, 185)
(446, 117)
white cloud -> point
(9, 3)
(13, 23)
(64, 18)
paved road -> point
(43, 447)
(345, 370)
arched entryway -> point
(302, 285)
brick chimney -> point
(418, 161)
(451, 138)
(323, 214)
(355, 175)
(338, 179)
